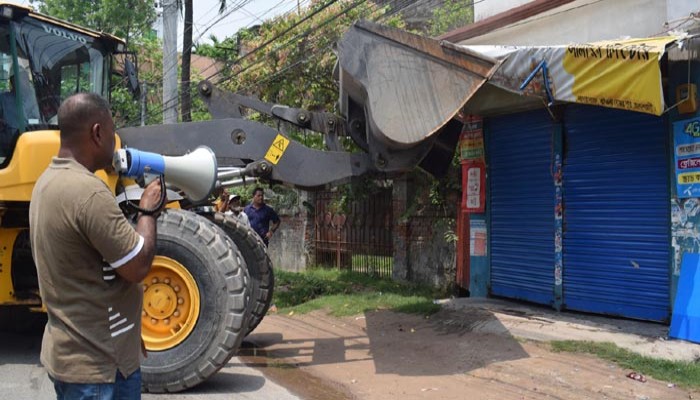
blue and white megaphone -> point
(194, 173)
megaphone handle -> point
(161, 202)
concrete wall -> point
(291, 247)
(422, 254)
(584, 21)
(485, 9)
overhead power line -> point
(397, 8)
(281, 34)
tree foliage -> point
(127, 19)
(128, 110)
(225, 50)
(451, 15)
(296, 68)
(289, 59)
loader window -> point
(62, 62)
(9, 116)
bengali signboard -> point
(622, 74)
(686, 148)
(471, 141)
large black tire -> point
(221, 279)
(254, 252)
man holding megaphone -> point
(90, 260)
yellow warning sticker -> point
(277, 148)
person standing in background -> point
(263, 219)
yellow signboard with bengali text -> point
(619, 74)
(623, 74)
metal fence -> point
(361, 240)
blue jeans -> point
(128, 388)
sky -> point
(206, 13)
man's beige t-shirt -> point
(79, 237)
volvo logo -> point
(63, 33)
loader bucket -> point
(400, 91)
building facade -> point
(587, 208)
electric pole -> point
(170, 103)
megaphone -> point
(194, 173)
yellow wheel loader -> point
(212, 281)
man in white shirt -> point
(234, 208)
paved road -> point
(22, 378)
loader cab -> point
(43, 61)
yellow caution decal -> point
(277, 148)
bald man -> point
(90, 261)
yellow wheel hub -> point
(170, 304)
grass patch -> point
(686, 374)
(346, 293)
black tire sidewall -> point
(221, 281)
(258, 263)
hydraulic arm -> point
(399, 96)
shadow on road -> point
(445, 343)
(228, 382)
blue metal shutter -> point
(521, 189)
(616, 213)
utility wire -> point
(321, 51)
(398, 7)
(267, 42)
(402, 6)
(237, 7)
(305, 59)
(300, 35)
(291, 41)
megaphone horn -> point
(194, 173)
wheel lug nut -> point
(166, 321)
(176, 313)
(180, 300)
(154, 280)
(144, 313)
(166, 281)
(154, 321)
(176, 288)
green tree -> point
(128, 19)
(451, 15)
(226, 50)
(289, 59)
(295, 68)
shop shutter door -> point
(521, 193)
(616, 213)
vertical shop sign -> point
(471, 145)
(473, 186)
(686, 148)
